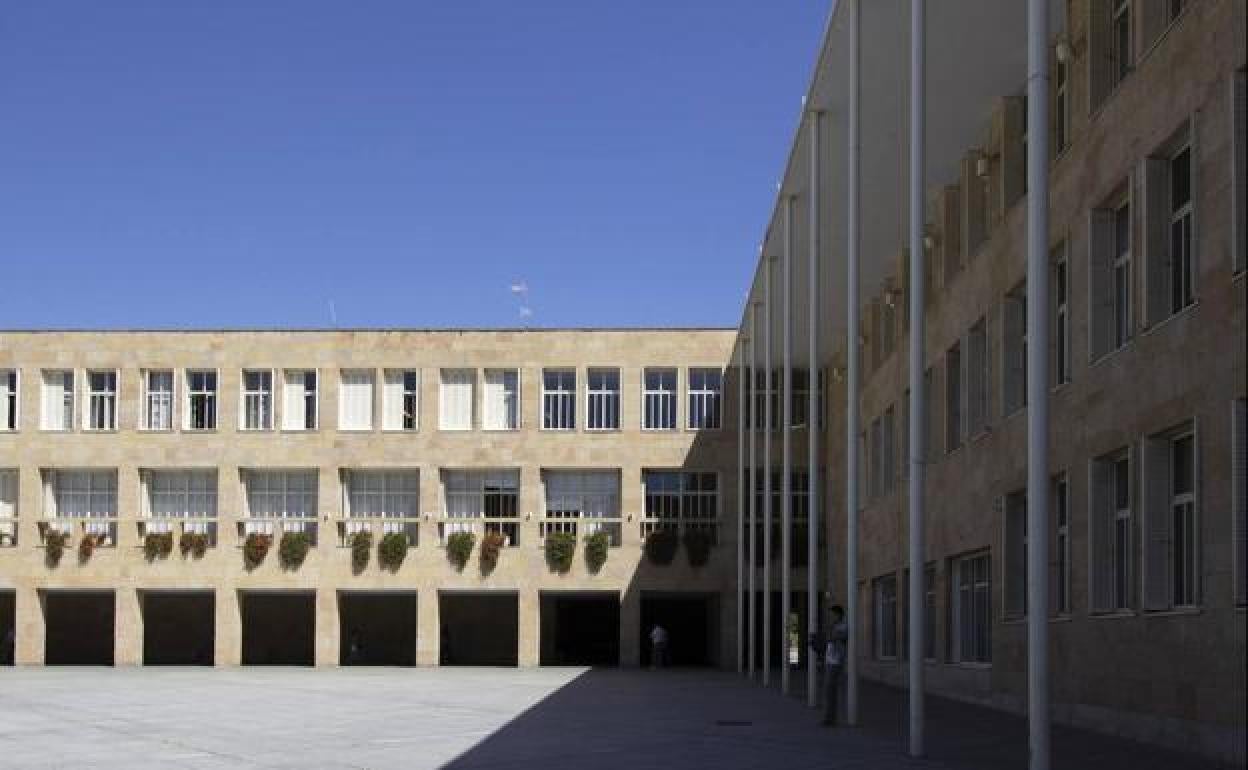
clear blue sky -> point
(246, 162)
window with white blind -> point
(1239, 498)
(300, 402)
(705, 389)
(400, 400)
(1239, 170)
(180, 493)
(970, 595)
(1060, 288)
(455, 398)
(659, 399)
(583, 495)
(1060, 500)
(285, 494)
(1110, 279)
(884, 627)
(489, 494)
(157, 399)
(81, 493)
(953, 398)
(1015, 554)
(383, 493)
(257, 400)
(101, 400)
(500, 399)
(201, 400)
(57, 393)
(603, 399)
(8, 399)
(1169, 229)
(355, 399)
(1014, 350)
(1170, 525)
(1111, 532)
(977, 378)
(559, 399)
(8, 507)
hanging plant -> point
(491, 546)
(194, 543)
(661, 545)
(392, 550)
(157, 545)
(361, 546)
(255, 548)
(560, 546)
(459, 547)
(293, 549)
(698, 544)
(596, 549)
(86, 547)
(54, 541)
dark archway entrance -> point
(377, 629)
(580, 629)
(279, 628)
(79, 628)
(8, 627)
(479, 629)
(690, 621)
(179, 628)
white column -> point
(786, 447)
(739, 599)
(812, 418)
(917, 183)
(851, 401)
(768, 419)
(750, 498)
(1038, 381)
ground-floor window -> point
(971, 608)
(884, 602)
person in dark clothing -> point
(830, 648)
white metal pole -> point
(741, 402)
(786, 448)
(813, 425)
(851, 405)
(768, 431)
(1038, 381)
(751, 497)
(917, 185)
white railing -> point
(582, 525)
(178, 526)
(508, 527)
(276, 526)
(680, 526)
(103, 529)
(378, 526)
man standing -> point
(658, 646)
(833, 651)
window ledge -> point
(297, 431)
(1183, 312)
(1174, 612)
(1112, 614)
(971, 665)
(1111, 353)
(390, 430)
(603, 430)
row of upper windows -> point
(290, 398)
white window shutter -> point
(292, 401)
(1156, 534)
(1100, 542)
(49, 493)
(1015, 576)
(1239, 496)
(355, 400)
(1100, 285)
(1239, 170)
(392, 400)
(1156, 181)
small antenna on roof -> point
(333, 315)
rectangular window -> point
(300, 406)
(1060, 493)
(932, 429)
(1014, 351)
(1110, 279)
(157, 399)
(1122, 276)
(1169, 229)
(1111, 524)
(400, 400)
(1060, 287)
(58, 400)
(689, 497)
(83, 493)
(281, 494)
(355, 399)
(953, 398)
(257, 399)
(977, 378)
(884, 596)
(501, 399)
(383, 493)
(1015, 553)
(801, 397)
(8, 507)
(181, 493)
(1182, 267)
(603, 399)
(101, 400)
(1239, 497)
(201, 400)
(455, 399)
(8, 399)
(580, 497)
(1120, 51)
(475, 494)
(559, 399)
(1171, 535)
(971, 609)
(659, 399)
(705, 389)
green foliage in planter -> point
(459, 547)
(560, 546)
(596, 549)
(293, 549)
(361, 546)
(698, 545)
(491, 546)
(157, 545)
(194, 543)
(393, 550)
(255, 548)
(661, 546)
(54, 541)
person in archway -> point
(658, 646)
(355, 647)
(831, 647)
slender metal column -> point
(918, 88)
(1038, 381)
(851, 401)
(751, 499)
(813, 424)
(741, 402)
(786, 447)
(768, 433)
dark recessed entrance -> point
(580, 629)
(78, 628)
(479, 629)
(8, 627)
(279, 629)
(377, 629)
(689, 619)
(178, 628)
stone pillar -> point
(630, 628)
(327, 628)
(127, 627)
(228, 634)
(29, 627)
(428, 629)
(529, 633)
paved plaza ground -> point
(545, 718)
